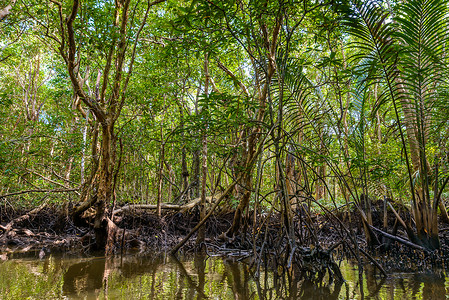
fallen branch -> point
(198, 226)
(24, 217)
(408, 229)
(397, 215)
(177, 207)
(153, 206)
(398, 239)
(374, 262)
(78, 210)
(50, 180)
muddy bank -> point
(52, 230)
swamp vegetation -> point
(279, 133)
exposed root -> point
(315, 262)
(8, 230)
(263, 243)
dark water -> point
(161, 277)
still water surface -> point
(161, 277)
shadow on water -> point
(161, 277)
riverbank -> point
(51, 230)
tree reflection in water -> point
(200, 277)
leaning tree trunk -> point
(270, 46)
(108, 101)
(243, 204)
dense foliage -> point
(316, 103)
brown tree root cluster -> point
(261, 244)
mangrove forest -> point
(296, 138)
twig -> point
(24, 217)
(49, 180)
(39, 191)
(397, 215)
(374, 262)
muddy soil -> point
(52, 230)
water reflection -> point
(88, 277)
(161, 277)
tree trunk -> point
(159, 183)
(104, 231)
(243, 204)
(202, 230)
(184, 171)
(321, 171)
(290, 176)
(425, 212)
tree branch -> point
(7, 10)
(38, 191)
(71, 65)
(230, 74)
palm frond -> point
(359, 106)
(423, 31)
(375, 46)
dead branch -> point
(408, 229)
(374, 262)
(24, 217)
(398, 239)
(153, 206)
(49, 180)
(181, 208)
(39, 191)
(78, 210)
(397, 215)
(201, 223)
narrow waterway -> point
(162, 277)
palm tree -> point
(402, 52)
